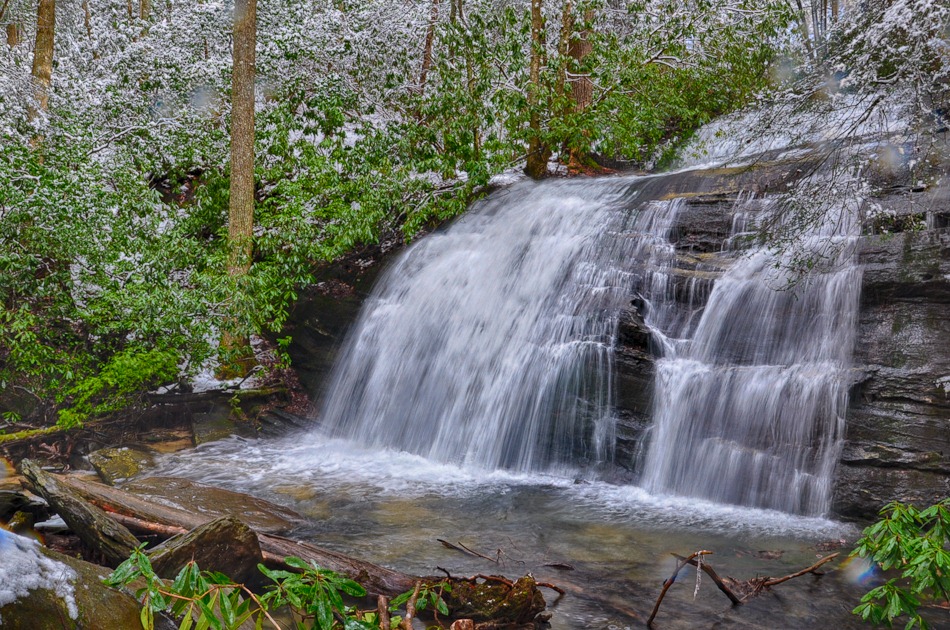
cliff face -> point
(898, 436)
(898, 422)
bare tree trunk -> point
(427, 48)
(241, 208)
(13, 35)
(564, 45)
(582, 88)
(835, 9)
(87, 19)
(538, 153)
(43, 53)
(145, 9)
(803, 29)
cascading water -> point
(489, 344)
(751, 396)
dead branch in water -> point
(669, 582)
(738, 591)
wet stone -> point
(225, 545)
(118, 464)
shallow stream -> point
(391, 508)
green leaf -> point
(324, 616)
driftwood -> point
(708, 570)
(738, 591)
(113, 499)
(500, 601)
(755, 586)
(92, 525)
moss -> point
(25, 435)
(498, 601)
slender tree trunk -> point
(241, 208)
(564, 45)
(13, 35)
(43, 53)
(835, 8)
(145, 9)
(427, 48)
(582, 88)
(538, 153)
(87, 19)
(803, 29)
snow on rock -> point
(24, 568)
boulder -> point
(225, 545)
(43, 590)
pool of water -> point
(607, 545)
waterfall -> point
(751, 394)
(490, 344)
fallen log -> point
(375, 579)
(490, 600)
(260, 515)
(99, 532)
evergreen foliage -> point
(113, 202)
(915, 544)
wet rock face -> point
(898, 425)
(898, 435)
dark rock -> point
(225, 545)
(277, 422)
(898, 423)
(898, 426)
(100, 533)
(20, 522)
(496, 601)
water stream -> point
(474, 402)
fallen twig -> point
(708, 570)
(670, 580)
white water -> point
(490, 344)
(750, 397)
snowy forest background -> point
(376, 119)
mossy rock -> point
(118, 464)
(499, 601)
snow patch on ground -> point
(25, 569)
